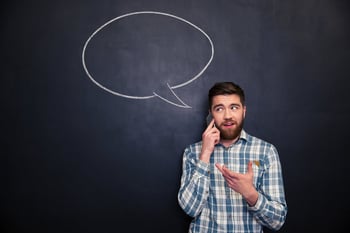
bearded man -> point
(231, 181)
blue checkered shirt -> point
(216, 208)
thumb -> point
(250, 167)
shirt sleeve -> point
(194, 188)
(270, 209)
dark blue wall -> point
(79, 159)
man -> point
(231, 181)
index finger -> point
(210, 125)
(228, 172)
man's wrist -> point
(205, 157)
(252, 197)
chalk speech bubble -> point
(165, 91)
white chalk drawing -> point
(181, 103)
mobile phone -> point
(209, 118)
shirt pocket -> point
(258, 170)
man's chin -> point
(229, 135)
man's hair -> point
(226, 88)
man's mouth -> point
(229, 124)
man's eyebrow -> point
(218, 105)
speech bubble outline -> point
(171, 88)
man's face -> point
(228, 113)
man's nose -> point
(228, 114)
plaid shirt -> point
(205, 196)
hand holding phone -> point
(210, 137)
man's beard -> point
(230, 134)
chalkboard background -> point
(79, 159)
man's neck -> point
(226, 143)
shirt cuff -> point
(259, 205)
(203, 168)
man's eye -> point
(218, 109)
(234, 107)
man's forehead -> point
(226, 99)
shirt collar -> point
(244, 136)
